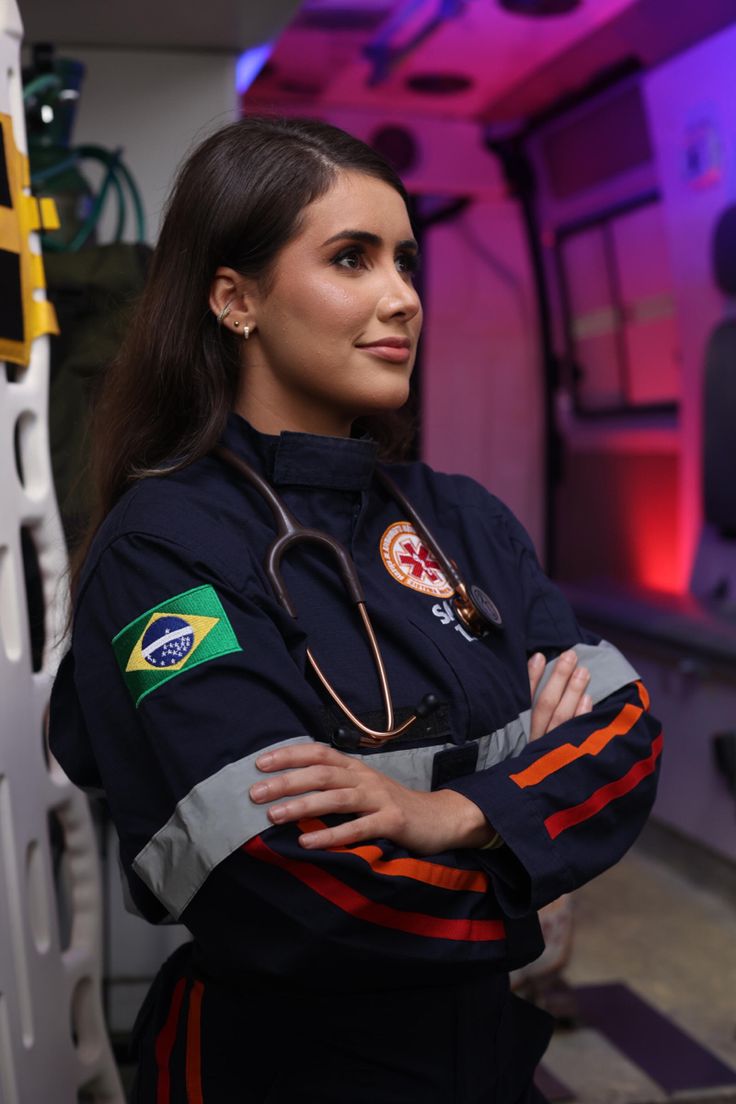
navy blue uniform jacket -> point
(183, 667)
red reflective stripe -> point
(194, 1045)
(165, 1044)
(354, 903)
(567, 818)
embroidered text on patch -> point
(180, 633)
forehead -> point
(357, 202)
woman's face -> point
(335, 333)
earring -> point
(246, 332)
(223, 314)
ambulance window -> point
(619, 311)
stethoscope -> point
(473, 606)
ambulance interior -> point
(572, 168)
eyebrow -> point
(370, 239)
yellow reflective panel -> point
(22, 318)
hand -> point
(318, 780)
(563, 697)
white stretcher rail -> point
(53, 1042)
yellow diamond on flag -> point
(169, 641)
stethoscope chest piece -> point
(486, 606)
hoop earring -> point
(223, 313)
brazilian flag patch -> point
(181, 632)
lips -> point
(387, 343)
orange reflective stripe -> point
(643, 695)
(194, 1045)
(592, 745)
(444, 877)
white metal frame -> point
(53, 1043)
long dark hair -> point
(237, 200)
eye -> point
(352, 258)
(408, 262)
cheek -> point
(337, 308)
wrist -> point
(470, 826)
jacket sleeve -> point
(176, 755)
(570, 804)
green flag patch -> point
(177, 634)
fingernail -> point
(259, 790)
(536, 660)
(582, 674)
(277, 814)
(264, 761)
(307, 841)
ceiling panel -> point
(227, 25)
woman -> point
(356, 904)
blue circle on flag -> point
(167, 641)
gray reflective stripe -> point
(212, 821)
(609, 671)
(412, 767)
(217, 816)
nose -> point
(399, 299)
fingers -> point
(561, 697)
(286, 784)
(570, 699)
(536, 667)
(317, 805)
(333, 785)
(344, 835)
(302, 755)
(585, 705)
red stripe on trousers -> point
(194, 1045)
(354, 903)
(567, 818)
(165, 1044)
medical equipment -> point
(472, 605)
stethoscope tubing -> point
(290, 532)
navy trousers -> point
(199, 1041)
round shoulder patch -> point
(411, 563)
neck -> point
(273, 414)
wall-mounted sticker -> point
(703, 152)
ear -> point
(232, 292)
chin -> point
(386, 400)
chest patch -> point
(179, 633)
(408, 561)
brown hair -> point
(237, 200)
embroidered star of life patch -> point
(409, 562)
(177, 634)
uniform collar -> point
(304, 459)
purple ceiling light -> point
(386, 51)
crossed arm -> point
(316, 780)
